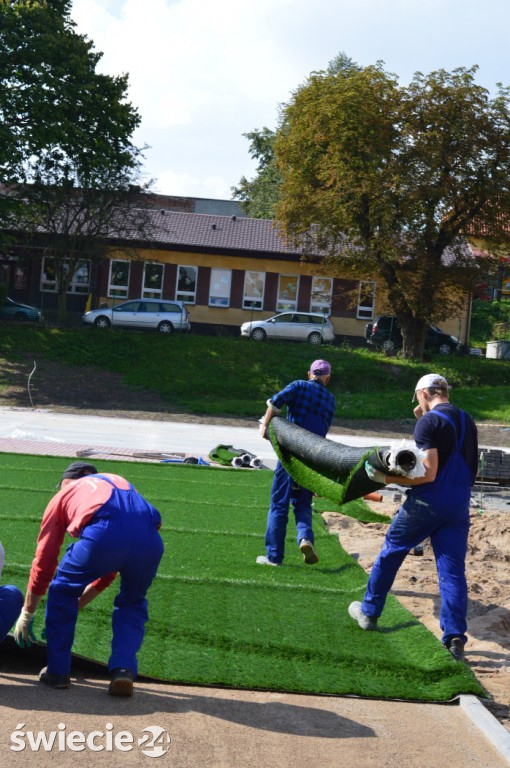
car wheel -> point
(444, 349)
(102, 322)
(165, 327)
(388, 345)
(315, 338)
(258, 334)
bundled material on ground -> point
(228, 456)
(329, 468)
(218, 618)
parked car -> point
(14, 310)
(157, 314)
(298, 326)
(384, 333)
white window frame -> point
(153, 291)
(365, 311)
(76, 286)
(285, 303)
(118, 290)
(220, 287)
(253, 297)
(189, 296)
(322, 295)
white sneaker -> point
(364, 621)
(310, 556)
(263, 560)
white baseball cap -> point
(430, 380)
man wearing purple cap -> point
(311, 406)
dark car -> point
(14, 310)
(384, 333)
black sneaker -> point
(456, 648)
(54, 681)
(121, 682)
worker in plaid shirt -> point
(309, 405)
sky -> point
(204, 72)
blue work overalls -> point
(121, 536)
(439, 510)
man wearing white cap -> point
(309, 405)
(436, 506)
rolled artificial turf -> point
(218, 618)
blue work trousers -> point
(284, 492)
(448, 531)
(11, 603)
(122, 536)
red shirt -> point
(69, 511)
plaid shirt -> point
(309, 405)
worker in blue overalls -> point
(309, 405)
(436, 506)
(11, 601)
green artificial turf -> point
(218, 618)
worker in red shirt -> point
(117, 532)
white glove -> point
(2, 559)
(374, 474)
(23, 631)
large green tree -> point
(387, 180)
(63, 125)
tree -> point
(387, 181)
(64, 126)
(75, 223)
(259, 196)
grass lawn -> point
(216, 617)
(235, 376)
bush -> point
(485, 315)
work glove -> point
(24, 631)
(375, 474)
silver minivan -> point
(161, 315)
(298, 326)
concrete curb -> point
(492, 729)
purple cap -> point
(320, 368)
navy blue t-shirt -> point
(431, 431)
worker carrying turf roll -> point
(117, 532)
(309, 405)
(436, 506)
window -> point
(152, 281)
(118, 281)
(187, 284)
(253, 296)
(287, 292)
(79, 283)
(322, 293)
(219, 290)
(366, 300)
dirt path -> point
(488, 570)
